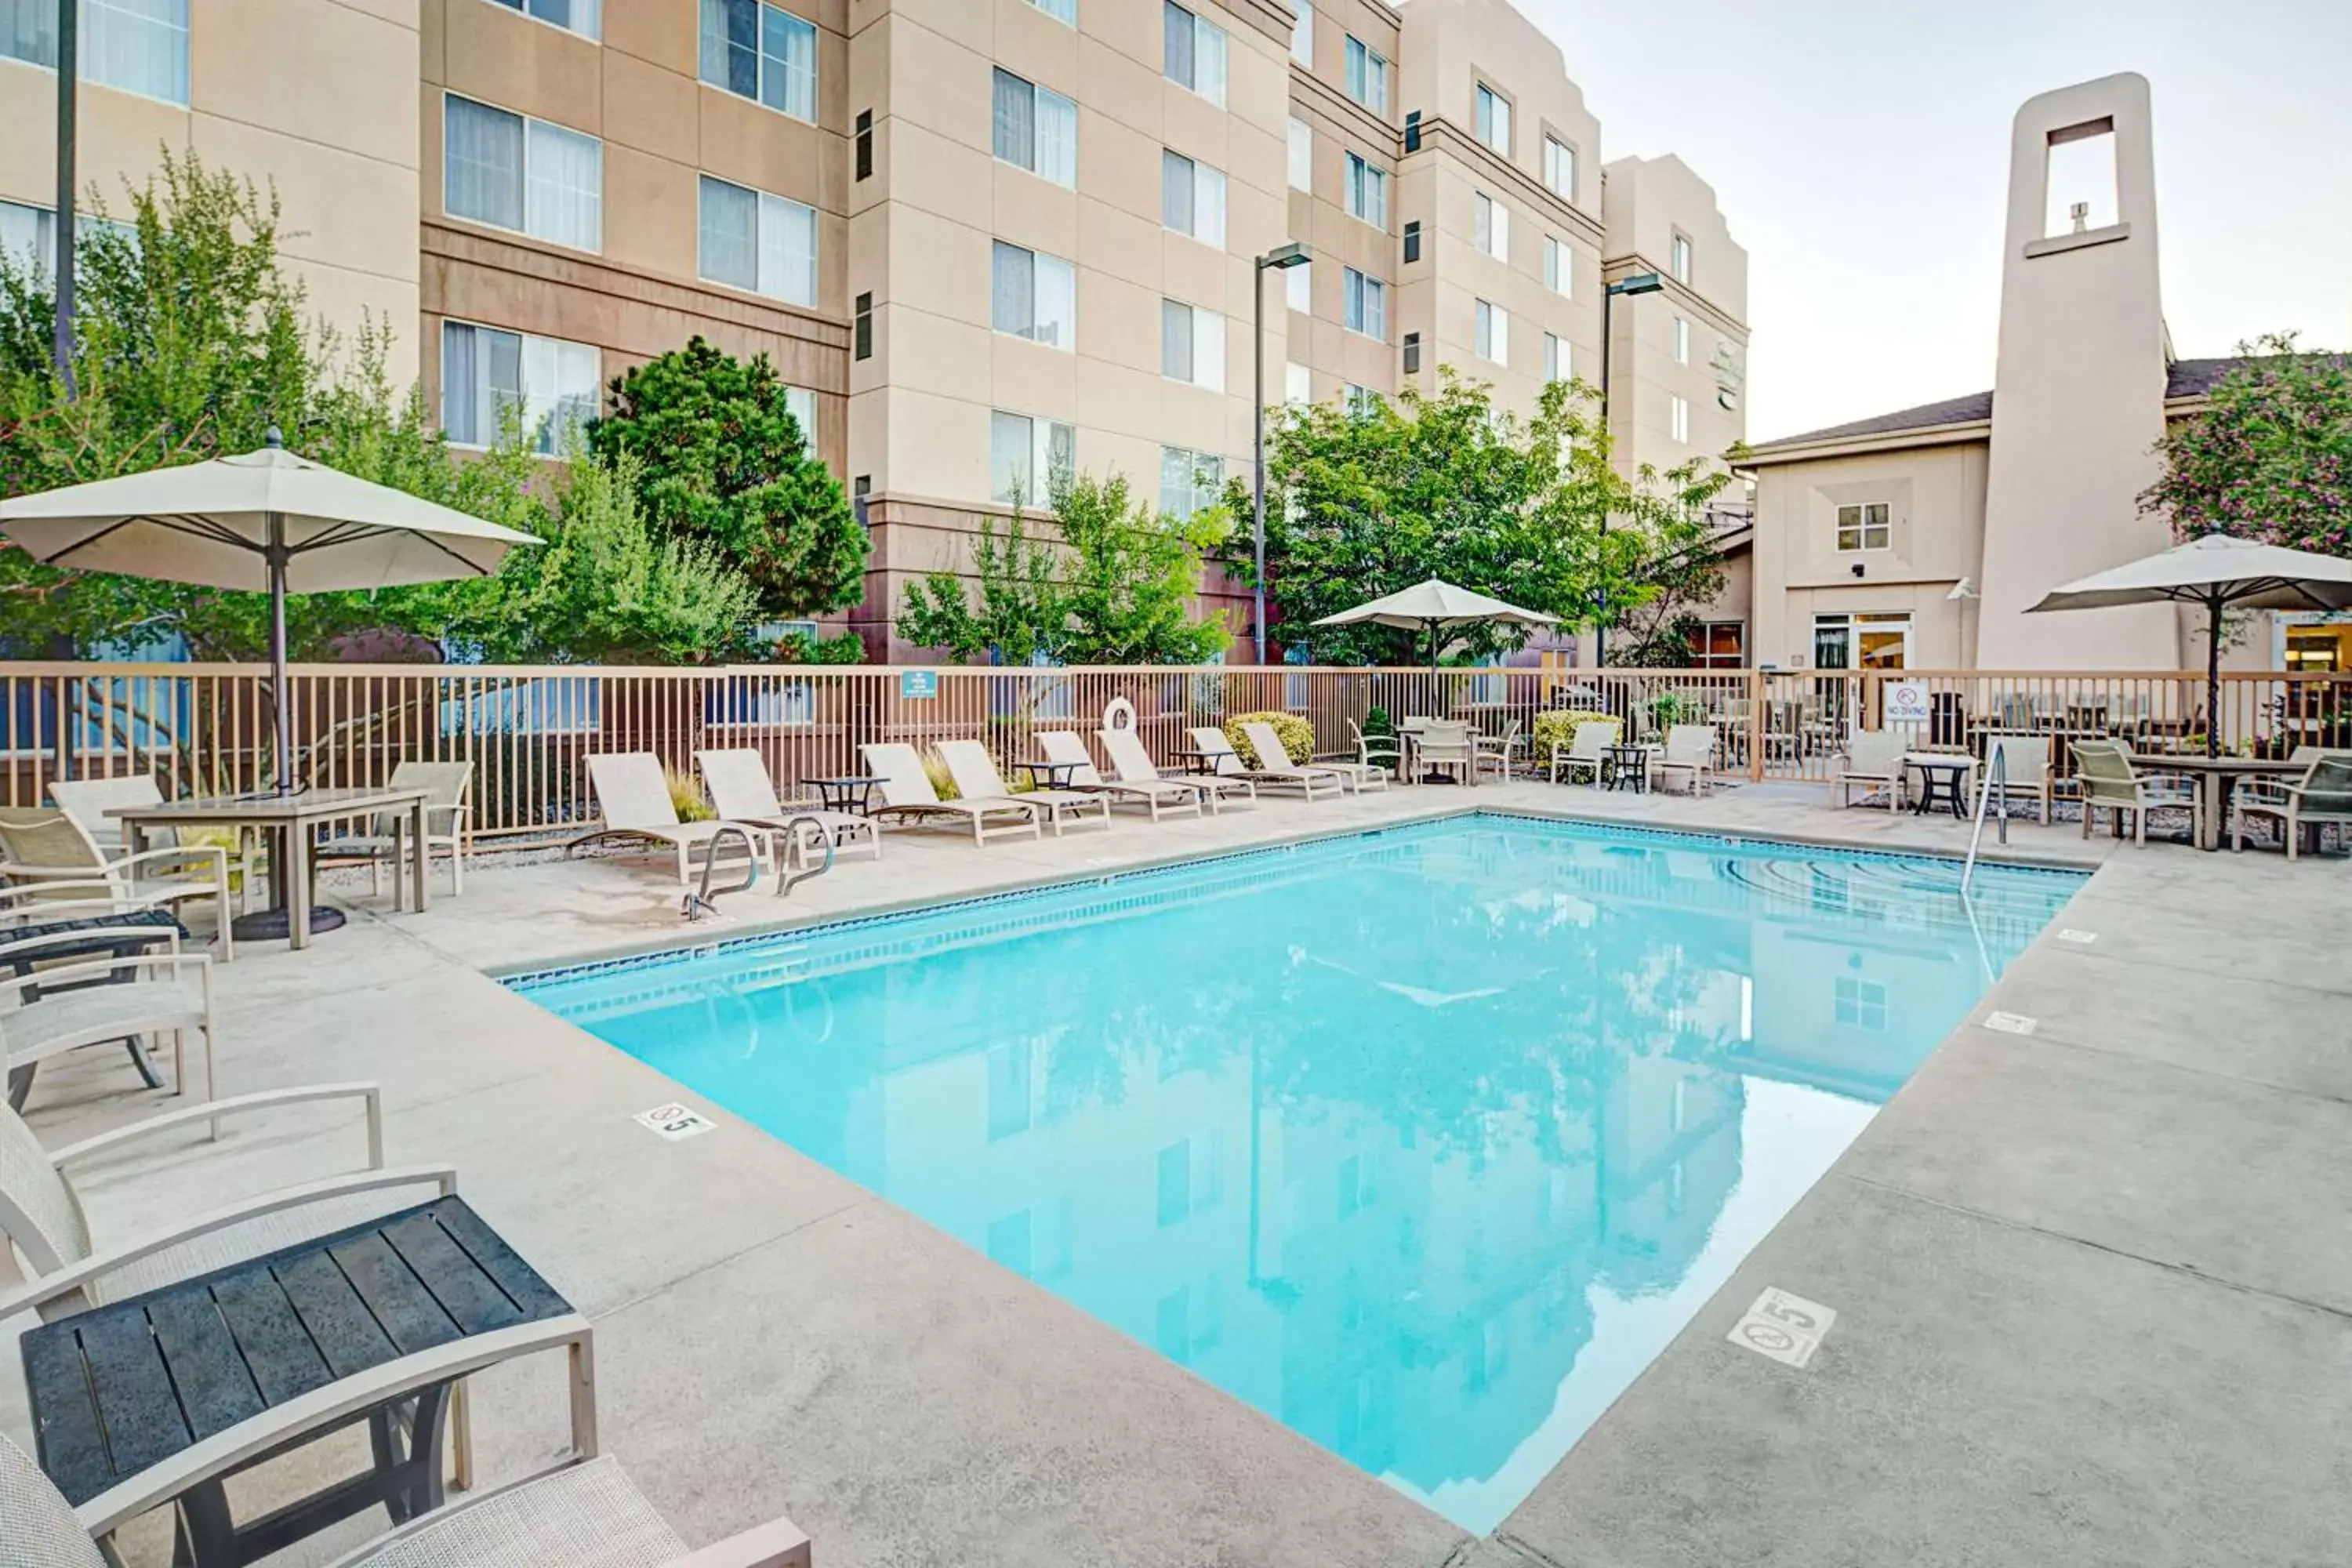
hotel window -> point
(1302, 155)
(1682, 341)
(1191, 198)
(1861, 1004)
(753, 240)
(585, 18)
(1560, 267)
(1034, 296)
(1490, 226)
(1559, 168)
(1360, 401)
(1555, 358)
(1493, 118)
(1412, 242)
(1023, 455)
(1367, 77)
(28, 237)
(1412, 346)
(1876, 641)
(1297, 386)
(864, 139)
(549, 386)
(1189, 482)
(525, 174)
(1063, 11)
(862, 333)
(1036, 129)
(1681, 415)
(1298, 287)
(760, 52)
(1720, 645)
(1196, 53)
(1494, 333)
(1864, 526)
(801, 402)
(136, 46)
(1302, 35)
(1192, 345)
(1679, 259)
(1364, 304)
(1368, 192)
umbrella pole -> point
(2214, 676)
(280, 718)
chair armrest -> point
(778, 1543)
(336, 1403)
(70, 1280)
(105, 968)
(214, 855)
(17, 947)
(455, 813)
(213, 1110)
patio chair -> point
(87, 801)
(632, 799)
(1446, 747)
(1386, 752)
(1274, 756)
(50, 853)
(1873, 760)
(2324, 796)
(447, 786)
(741, 790)
(1226, 763)
(1161, 797)
(144, 988)
(1499, 752)
(2025, 767)
(1689, 750)
(908, 792)
(1275, 767)
(2103, 772)
(976, 778)
(1587, 750)
(1133, 764)
(583, 1512)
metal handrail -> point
(700, 899)
(786, 880)
(1996, 771)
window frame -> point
(1681, 340)
(1170, 10)
(1679, 255)
(1556, 359)
(1362, 66)
(1057, 9)
(523, 8)
(1490, 329)
(1863, 527)
(1038, 93)
(1490, 226)
(1678, 417)
(523, 391)
(1301, 155)
(758, 94)
(179, 27)
(522, 175)
(1363, 304)
(1198, 497)
(1364, 177)
(1051, 431)
(704, 180)
(1191, 172)
(1566, 149)
(1028, 335)
(1197, 320)
(1488, 102)
(1302, 35)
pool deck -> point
(2094, 1283)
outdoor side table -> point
(161, 921)
(850, 793)
(1941, 782)
(1196, 761)
(1048, 774)
(1629, 768)
(129, 1384)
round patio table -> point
(2217, 778)
(1942, 781)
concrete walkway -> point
(2093, 1283)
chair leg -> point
(456, 867)
(2293, 833)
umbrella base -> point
(275, 925)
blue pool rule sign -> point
(918, 683)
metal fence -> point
(204, 729)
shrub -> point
(1296, 733)
(942, 781)
(1378, 722)
(685, 797)
(1671, 708)
(799, 647)
(1557, 728)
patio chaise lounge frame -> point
(633, 799)
(1161, 797)
(976, 778)
(908, 793)
(742, 790)
(1314, 784)
(1133, 764)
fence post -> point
(1755, 698)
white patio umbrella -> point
(268, 523)
(2215, 573)
(1437, 606)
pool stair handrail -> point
(700, 900)
(1996, 784)
(786, 877)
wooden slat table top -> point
(127, 1384)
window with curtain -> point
(1195, 56)
(1189, 482)
(1063, 11)
(28, 32)
(1368, 192)
(802, 403)
(1302, 155)
(482, 163)
(1298, 287)
(1023, 454)
(1035, 129)
(1192, 345)
(1493, 115)
(1493, 341)
(1367, 77)
(564, 196)
(1035, 296)
(1297, 384)
(585, 18)
(1191, 198)
(1490, 226)
(549, 385)
(1302, 35)
(1555, 366)
(138, 46)
(1559, 266)
(760, 52)
(1559, 168)
(512, 172)
(750, 239)
(28, 237)
(1364, 304)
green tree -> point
(727, 465)
(2269, 457)
(1118, 587)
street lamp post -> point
(1638, 283)
(69, 77)
(1280, 259)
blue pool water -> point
(1424, 1142)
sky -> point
(1860, 151)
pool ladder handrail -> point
(1995, 773)
(785, 879)
(700, 900)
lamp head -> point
(1639, 283)
(1284, 256)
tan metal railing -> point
(204, 729)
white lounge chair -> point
(1273, 756)
(1133, 764)
(906, 792)
(742, 791)
(1587, 749)
(1872, 759)
(1689, 750)
(446, 788)
(1313, 783)
(633, 798)
(1159, 796)
(88, 802)
(52, 855)
(152, 989)
(976, 778)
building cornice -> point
(1613, 268)
(1953, 434)
(1441, 134)
(1312, 90)
(1272, 18)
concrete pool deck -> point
(2094, 1285)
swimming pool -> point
(1424, 1143)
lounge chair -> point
(446, 788)
(51, 855)
(742, 791)
(2025, 766)
(1444, 746)
(1161, 796)
(906, 792)
(146, 987)
(88, 802)
(1689, 750)
(976, 778)
(1226, 763)
(633, 798)
(1359, 776)
(1133, 764)
(2323, 795)
(1587, 750)
(2103, 771)
(1873, 760)
(1275, 766)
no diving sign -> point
(675, 1122)
(1788, 1329)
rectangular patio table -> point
(128, 1385)
(290, 820)
(2217, 779)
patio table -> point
(1629, 768)
(850, 793)
(1197, 761)
(2217, 779)
(125, 1386)
(1046, 773)
(1943, 779)
(289, 820)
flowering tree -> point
(2269, 456)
